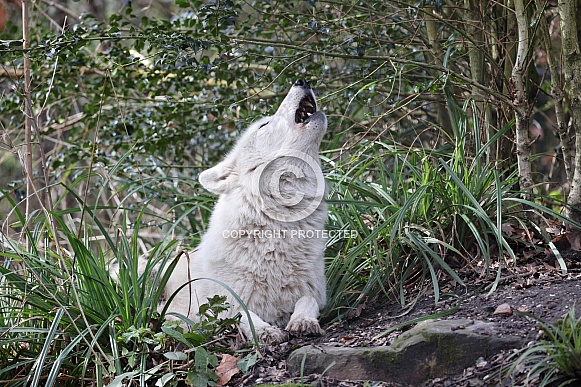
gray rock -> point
(431, 349)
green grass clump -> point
(65, 321)
(419, 215)
(553, 361)
(412, 217)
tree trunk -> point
(473, 18)
(556, 91)
(505, 152)
(436, 54)
(568, 10)
(521, 104)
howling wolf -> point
(266, 235)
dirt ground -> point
(535, 285)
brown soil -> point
(536, 285)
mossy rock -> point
(430, 350)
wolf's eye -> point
(266, 123)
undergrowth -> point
(65, 321)
(418, 216)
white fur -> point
(280, 278)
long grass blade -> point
(43, 355)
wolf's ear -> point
(220, 179)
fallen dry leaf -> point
(227, 368)
(503, 310)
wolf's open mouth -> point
(307, 107)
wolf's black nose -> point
(302, 83)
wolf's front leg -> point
(267, 334)
(303, 321)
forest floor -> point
(535, 285)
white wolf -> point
(265, 238)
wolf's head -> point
(276, 162)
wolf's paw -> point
(305, 327)
(272, 335)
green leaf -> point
(161, 382)
(247, 362)
(178, 356)
(118, 381)
(175, 334)
(195, 339)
